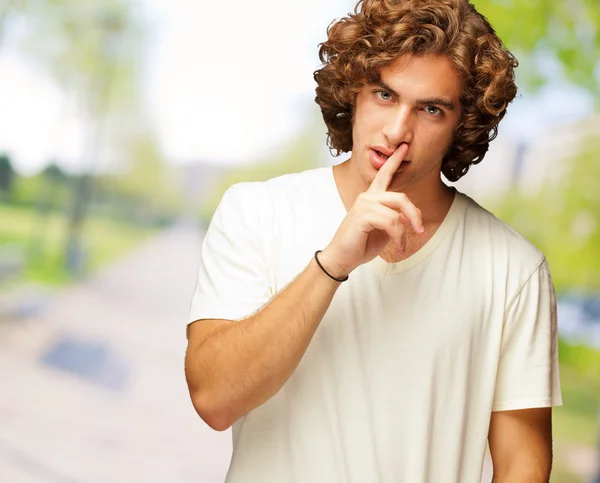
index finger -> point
(384, 176)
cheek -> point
(360, 125)
(367, 116)
(436, 139)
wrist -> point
(331, 266)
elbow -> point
(217, 422)
(214, 415)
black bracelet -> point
(326, 272)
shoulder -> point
(244, 207)
(295, 196)
(257, 203)
(244, 193)
(505, 246)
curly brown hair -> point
(379, 31)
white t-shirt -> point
(409, 361)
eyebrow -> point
(434, 101)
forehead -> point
(419, 76)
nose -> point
(398, 127)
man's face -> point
(417, 102)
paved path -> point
(56, 426)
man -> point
(425, 328)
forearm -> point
(243, 364)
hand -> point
(376, 217)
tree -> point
(550, 38)
(55, 174)
(7, 174)
(144, 177)
(90, 49)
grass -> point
(42, 241)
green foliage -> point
(144, 174)
(585, 360)
(141, 196)
(89, 47)
(576, 420)
(563, 220)
(565, 31)
(7, 174)
(27, 189)
(92, 50)
(41, 191)
(41, 237)
(55, 174)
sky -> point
(225, 83)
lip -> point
(377, 161)
(382, 150)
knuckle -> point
(363, 198)
(363, 218)
(394, 226)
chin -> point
(399, 183)
(367, 175)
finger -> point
(400, 202)
(384, 176)
(385, 219)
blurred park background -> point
(121, 125)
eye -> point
(434, 111)
(383, 95)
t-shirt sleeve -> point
(233, 278)
(528, 375)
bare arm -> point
(521, 445)
(233, 367)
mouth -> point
(379, 156)
(383, 151)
